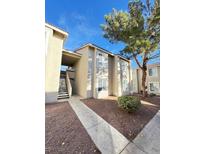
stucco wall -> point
(110, 74)
(71, 75)
(53, 63)
(134, 81)
(149, 78)
(115, 76)
(87, 78)
(118, 77)
(154, 78)
(81, 72)
(139, 75)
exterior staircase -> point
(63, 92)
(63, 95)
(65, 88)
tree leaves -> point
(139, 32)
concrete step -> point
(62, 96)
(62, 92)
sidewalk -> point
(108, 139)
(148, 140)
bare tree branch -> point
(135, 57)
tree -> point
(138, 29)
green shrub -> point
(129, 103)
(152, 94)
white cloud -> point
(79, 28)
(62, 20)
(83, 25)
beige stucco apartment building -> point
(105, 73)
(153, 79)
(91, 70)
(54, 44)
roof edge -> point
(101, 49)
(56, 29)
(74, 53)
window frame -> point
(102, 84)
(154, 83)
(155, 75)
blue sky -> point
(82, 19)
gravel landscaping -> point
(64, 133)
(129, 124)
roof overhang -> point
(101, 49)
(69, 58)
(65, 34)
(95, 46)
(123, 58)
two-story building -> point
(91, 71)
(104, 73)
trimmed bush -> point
(152, 94)
(129, 103)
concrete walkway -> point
(107, 138)
(148, 140)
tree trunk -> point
(144, 77)
(144, 73)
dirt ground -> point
(64, 134)
(129, 124)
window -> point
(102, 64)
(124, 75)
(100, 60)
(90, 65)
(154, 86)
(152, 72)
(102, 84)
